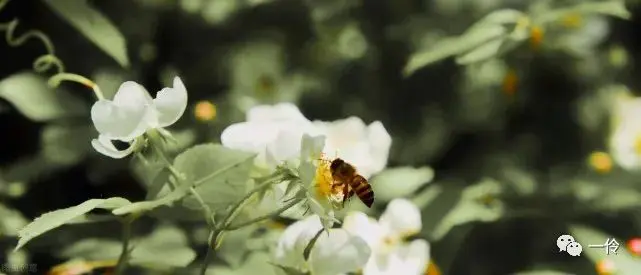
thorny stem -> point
(46, 61)
(126, 235)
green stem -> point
(261, 218)
(213, 236)
(55, 80)
(235, 210)
(126, 235)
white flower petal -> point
(171, 103)
(292, 243)
(380, 142)
(248, 136)
(132, 95)
(311, 147)
(402, 218)
(278, 112)
(322, 208)
(285, 145)
(338, 251)
(104, 146)
(366, 227)
(365, 147)
(409, 259)
(129, 115)
(115, 122)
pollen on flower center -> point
(325, 182)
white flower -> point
(625, 141)
(390, 255)
(132, 112)
(336, 251)
(316, 181)
(365, 147)
(270, 131)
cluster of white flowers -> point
(281, 133)
(362, 244)
(275, 131)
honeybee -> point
(346, 176)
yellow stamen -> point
(600, 162)
(325, 187)
(323, 179)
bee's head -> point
(336, 164)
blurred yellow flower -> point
(601, 162)
(78, 267)
(536, 37)
(432, 269)
(205, 111)
(605, 267)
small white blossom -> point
(625, 141)
(270, 131)
(132, 112)
(364, 146)
(390, 254)
(336, 251)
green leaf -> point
(93, 249)
(57, 218)
(166, 247)
(66, 144)
(481, 53)
(94, 26)
(158, 183)
(623, 261)
(477, 203)
(33, 98)
(233, 249)
(400, 182)
(613, 8)
(11, 221)
(213, 177)
(144, 206)
(230, 168)
(256, 263)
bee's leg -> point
(346, 193)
